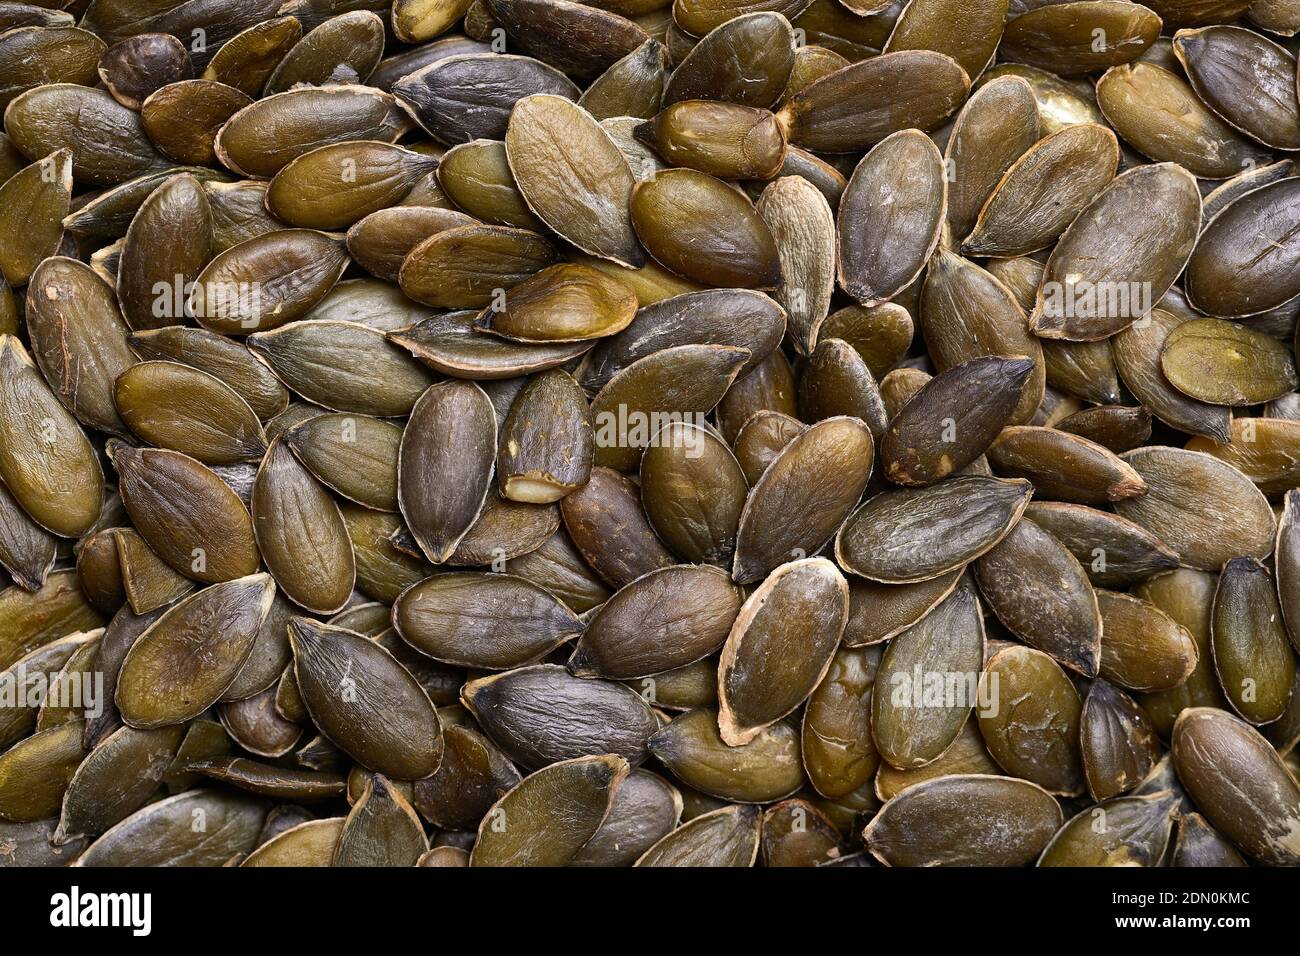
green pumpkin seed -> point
(462, 268)
(1225, 363)
(1118, 741)
(1135, 832)
(182, 119)
(381, 830)
(839, 753)
(766, 768)
(728, 836)
(474, 774)
(1142, 648)
(35, 202)
(746, 60)
(1252, 654)
(343, 49)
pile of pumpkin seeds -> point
(649, 432)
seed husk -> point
(1158, 113)
(700, 228)
(582, 41)
(381, 241)
(967, 755)
(1118, 741)
(726, 837)
(1137, 833)
(762, 439)
(543, 714)
(829, 464)
(558, 566)
(933, 25)
(1226, 363)
(1239, 783)
(780, 646)
(365, 701)
(645, 809)
(1064, 467)
(766, 768)
(268, 781)
(610, 530)
(803, 228)
(891, 216)
(1262, 449)
(1236, 270)
(1114, 551)
(1199, 844)
(33, 205)
(964, 517)
(964, 819)
(1080, 37)
(263, 138)
(308, 844)
(182, 119)
(452, 431)
(550, 815)
(36, 54)
(353, 455)
(381, 830)
(343, 49)
(1117, 427)
(863, 103)
(335, 186)
(746, 60)
(726, 140)
(488, 621)
(186, 513)
(908, 729)
(1203, 508)
(1106, 248)
(78, 339)
(52, 472)
(1043, 191)
(473, 775)
(148, 581)
(27, 551)
(1143, 648)
(461, 268)
(1252, 654)
(967, 313)
(162, 833)
(562, 303)
(839, 753)
(450, 343)
(247, 59)
(164, 682)
(184, 409)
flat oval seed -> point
(364, 701)
(904, 536)
(382, 829)
(934, 25)
(1239, 783)
(35, 772)
(46, 462)
(1081, 36)
(1226, 363)
(1252, 654)
(727, 837)
(183, 118)
(609, 528)
(451, 343)
(582, 41)
(803, 228)
(722, 139)
(746, 60)
(301, 534)
(1262, 449)
(1136, 833)
(693, 492)
(550, 815)
(186, 660)
(186, 513)
(910, 724)
(646, 808)
(1064, 467)
(32, 619)
(891, 215)
(780, 646)
(1205, 509)
(35, 202)
(1142, 648)
(219, 356)
(336, 185)
(543, 714)
(353, 455)
(487, 621)
(473, 775)
(1031, 725)
(765, 769)
(162, 833)
(964, 820)
(1118, 741)
(562, 303)
(343, 49)
(462, 268)
(1114, 551)
(967, 755)
(181, 408)
(839, 753)
(445, 465)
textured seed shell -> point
(965, 516)
(1262, 449)
(187, 514)
(826, 468)
(381, 241)
(1245, 78)
(184, 409)
(335, 186)
(1136, 833)
(1252, 654)
(891, 216)
(726, 837)
(1199, 844)
(1063, 466)
(33, 205)
(1286, 563)
(970, 402)
(162, 833)
(46, 462)
(746, 60)
(608, 527)
(182, 118)
(473, 775)
(247, 59)
(1107, 247)
(1142, 648)
(543, 714)
(363, 700)
(486, 621)
(839, 753)
(562, 303)
(761, 440)
(382, 829)
(452, 432)
(722, 139)
(476, 177)
(263, 138)
(693, 492)
(1032, 726)
(582, 41)
(863, 103)
(1043, 191)
(1114, 551)
(462, 268)
(186, 660)
(1226, 363)
(35, 54)
(551, 814)
(780, 646)
(1158, 114)
(1118, 742)
(353, 455)
(1237, 270)
(1239, 783)
(1136, 351)
(267, 281)
(968, 32)
(27, 551)
(220, 357)
(646, 808)
(1080, 36)
(910, 727)
(1205, 509)
(699, 227)
(965, 819)
(803, 227)
(345, 366)
(343, 49)
(78, 339)
(766, 768)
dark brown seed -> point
(365, 702)
(728, 836)
(1199, 844)
(746, 60)
(462, 268)
(1142, 648)
(1063, 466)
(36, 54)
(280, 783)
(1136, 833)
(543, 714)
(582, 41)
(247, 59)
(382, 829)
(115, 780)
(558, 566)
(765, 769)
(343, 49)
(1239, 783)
(1081, 36)
(1119, 743)
(762, 439)
(610, 530)
(1116, 427)
(162, 833)
(354, 455)
(182, 119)
(891, 216)
(452, 431)
(768, 386)
(839, 753)
(969, 36)
(645, 809)
(964, 819)
(473, 775)
(1114, 552)
(827, 467)
(905, 536)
